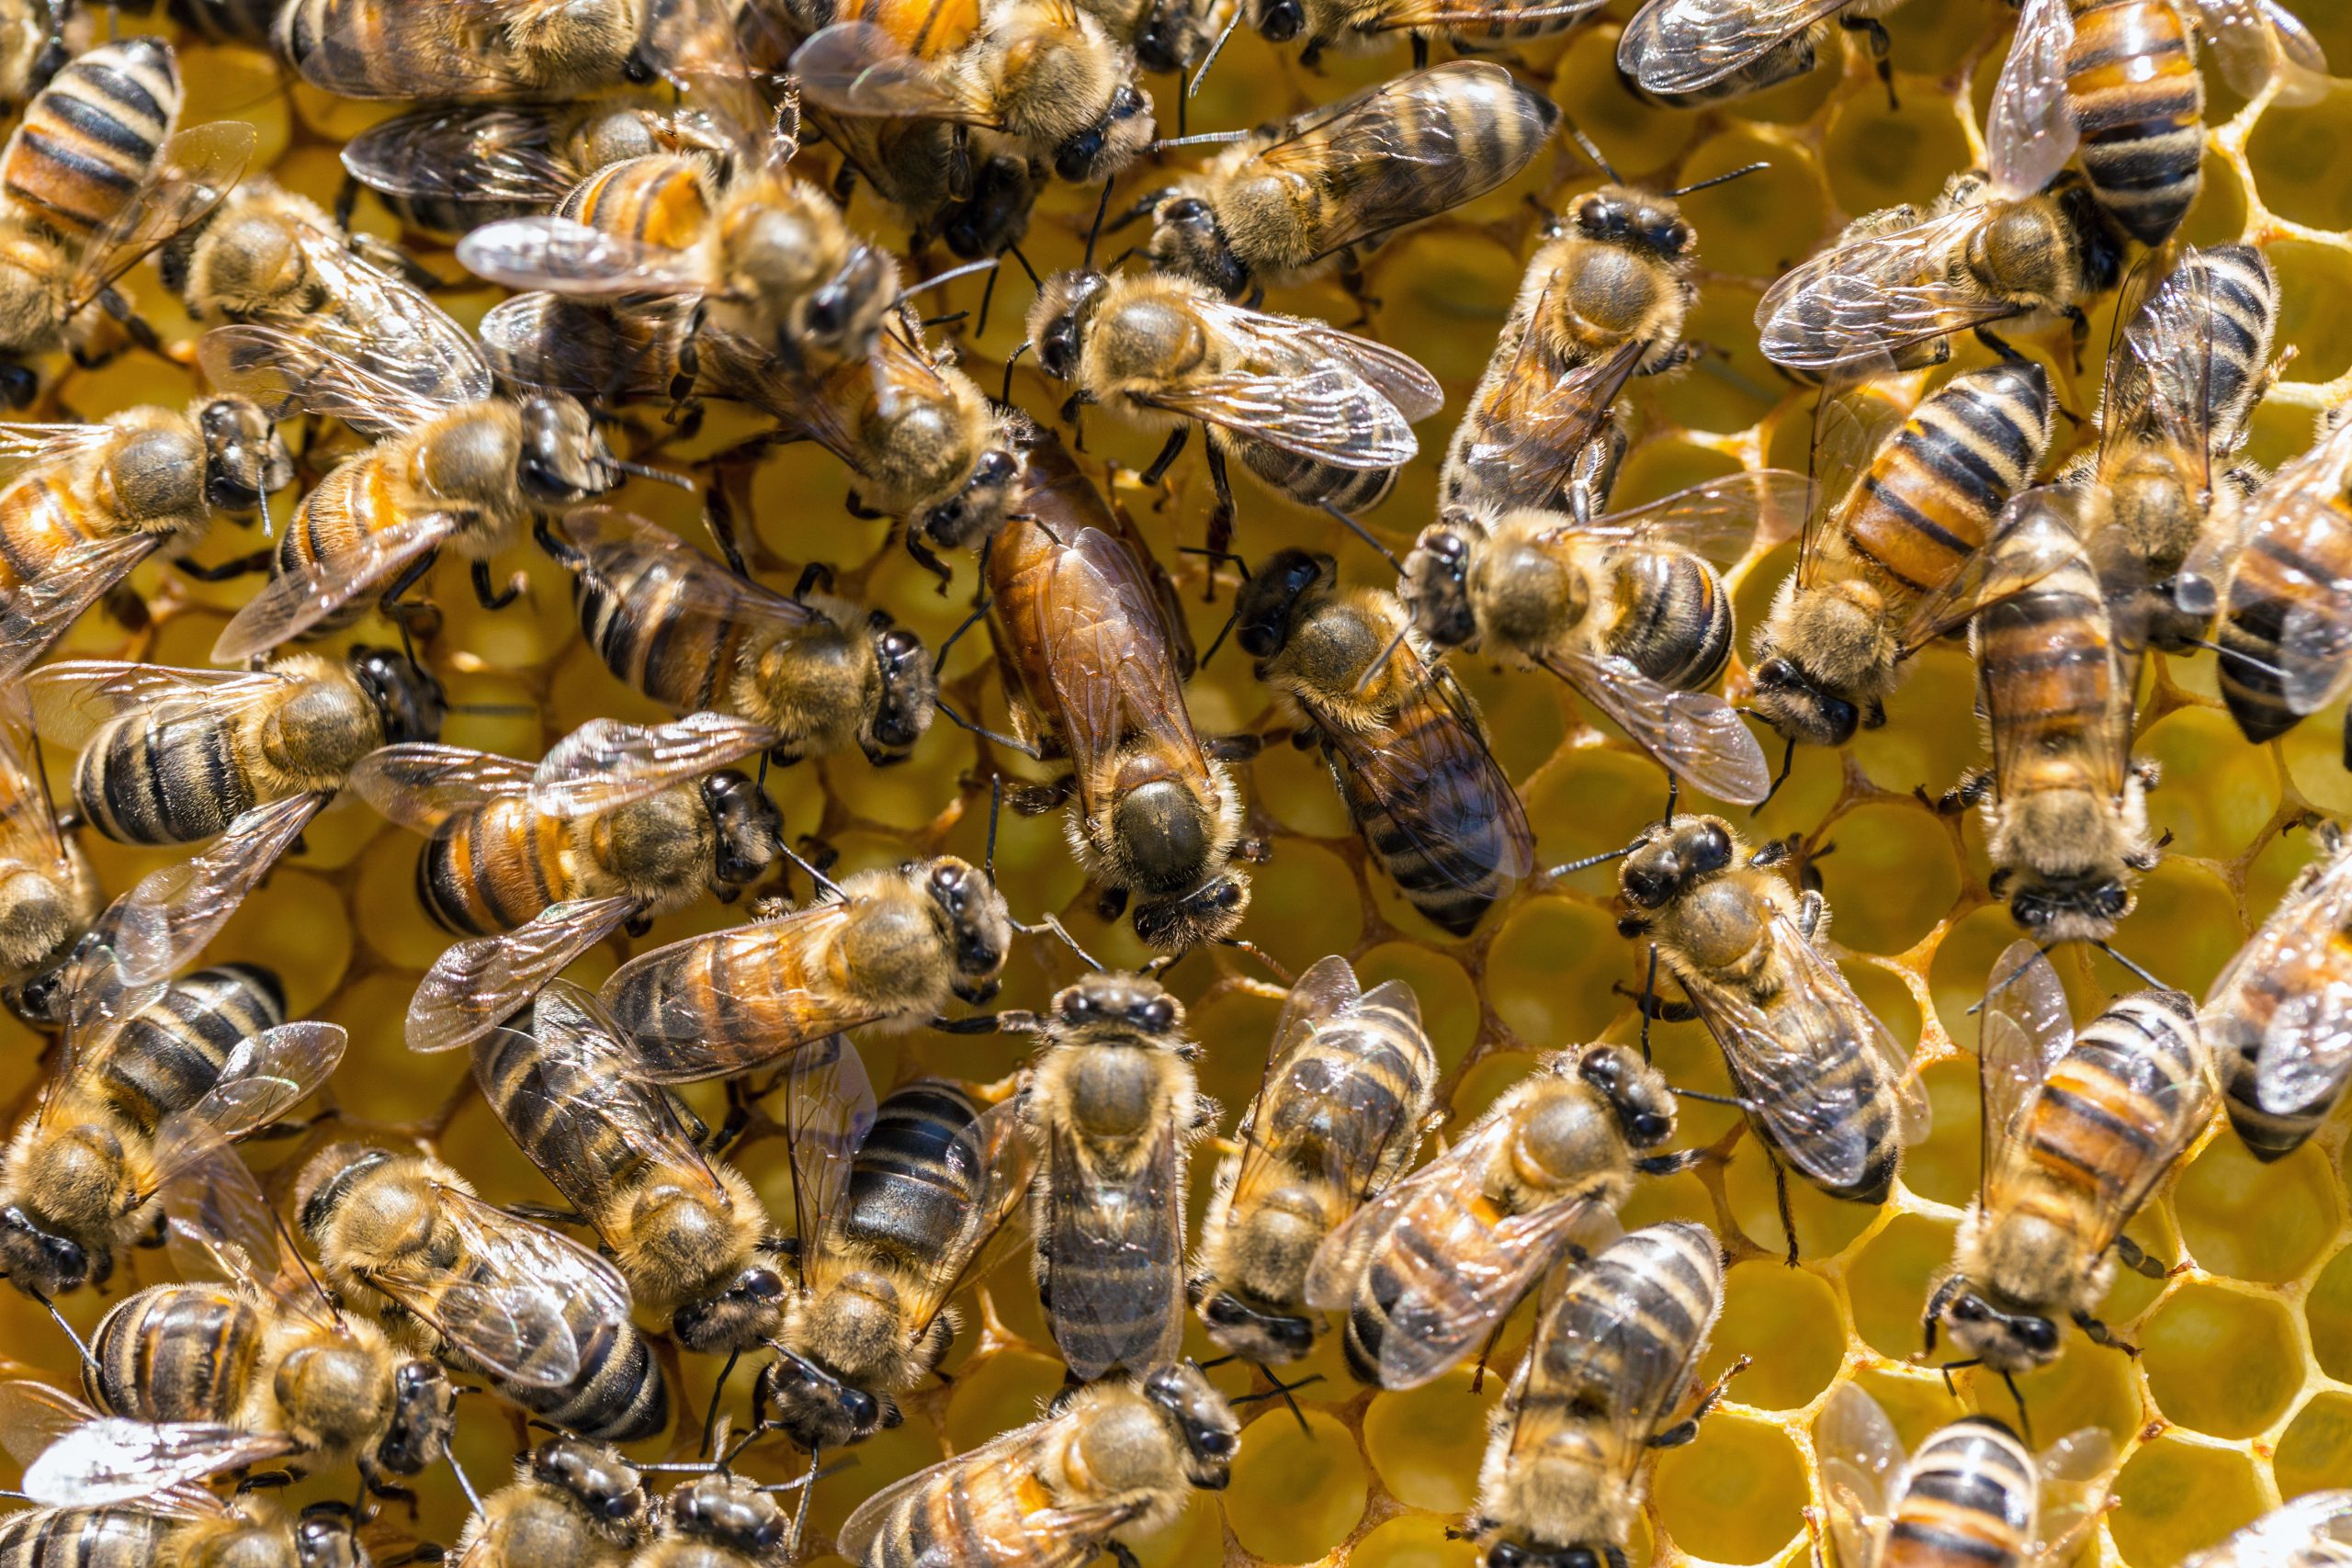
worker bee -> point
(618, 824)
(1284, 202)
(1315, 414)
(403, 1240)
(1425, 1269)
(2077, 1132)
(824, 674)
(1614, 1355)
(1349, 1081)
(1689, 53)
(93, 179)
(718, 1520)
(1971, 1493)
(1893, 557)
(884, 950)
(605, 356)
(49, 895)
(571, 1502)
(1167, 35)
(1044, 75)
(2313, 1530)
(689, 1235)
(189, 1527)
(444, 470)
(173, 756)
(2191, 367)
(1358, 24)
(1118, 1457)
(2285, 630)
(519, 48)
(1083, 648)
(1826, 1087)
(87, 502)
(1403, 742)
(2057, 663)
(2273, 1018)
(886, 1243)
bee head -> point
(1436, 583)
(406, 696)
(1102, 148)
(750, 1308)
(1265, 608)
(1786, 697)
(907, 698)
(1169, 39)
(818, 1410)
(1210, 912)
(1635, 1091)
(42, 1263)
(1187, 239)
(1122, 1003)
(1057, 320)
(750, 827)
(1268, 1339)
(977, 917)
(978, 509)
(1618, 216)
(1676, 857)
(2005, 1341)
(846, 311)
(424, 1416)
(243, 458)
(2077, 908)
(1278, 21)
(608, 1488)
(995, 216)
(732, 1513)
(563, 458)
(324, 1538)
(1201, 1420)
(1515, 1554)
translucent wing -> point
(72, 699)
(1326, 412)
(33, 1415)
(856, 68)
(2255, 39)
(1850, 425)
(1340, 1260)
(190, 175)
(2073, 1472)
(826, 1108)
(1396, 376)
(1124, 1307)
(1327, 990)
(29, 449)
(2306, 1050)
(2289, 995)
(724, 1003)
(218, 1226)
(294, 601)
(2308, 1530)
(30, 834)
(992, 1491)
(288, 372)
(1683, 46)
(2030, 130)
(1446, 1310)
(161, 924)
(1859, 305)
(606, 763)
(565, 257)
(1606, 1347)
(1717, 521)
(1696, 735)
(2294, 512)
(468, 153)
(266, 1075)
(40, 611)
(1541, 423)
(689, 579)
(384, 323)
(478, 984)
(1853, 1431)
(421, 786)
(1396, 16)
(2034, 537)
(2028, 1026)
(112, 1459)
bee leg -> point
(346, 201)
(243, 566)
(1120, 1555)
(1485, 1352)
(928, 559)
(489, 597)
(1239, 748)
(1151, 475)
(1973, 786)
(1684, 1430)
(718, 516)
(815, 577)
(854, 505)
(1653, 1006)
(1875, 39)
(2098, 1332)
(1673, 1164)
(2082, 325)
(1788, 1218)
(2133, 1257)
(1220, 536)
(562, 551)
(1037, 799)
(1420, 51)
(1111, 904)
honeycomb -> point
(2243, 1393)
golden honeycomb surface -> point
(2242, 1394)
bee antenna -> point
(1260, 954)
(1052, 922)
(1712, 1098)
(824, 883)
(2025, 1422)
(986, 264)
(1010, 742)
(1570, 868)
(647, 471)
(1673, 794)
(1788, 762)
(710, 1417)
(1101, 210)
(987, 297)
(2144, 975)
(1599, 160)
(1014, 251)
(465, 1482)
(800, 1516)
(1363, 681)
(67, 1329)
(1720, 179)
(1216, 49)
(1361, 532)
(495, 710)
(996, 802)
(1009, 361)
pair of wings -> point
(1534, 415)
(2301, 511)
(997, 1524)
(1674, 47)
(829, 407)
(30, 836)
(503, 154)
(2303, 1055)
(41, 609)
(1864, 1474)
(2027, 1028)
(74, 1458)
(1124, 1229)
(190, 173)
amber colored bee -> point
(1403, 741)
(1689, 53)
(403, 1239)
(1358, 24)
(49, 895)
(571, 1502)
(488, 48)
(1084, 651)
(2272, 1018)
(1119, 1457)
(536, 862)
(2309, 1532)
(2078, 1131)
(1427, 1269)
(1614, 1356)
(2285, 629)
(1349, 1080)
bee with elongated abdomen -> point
(1427, 1269)
(1689, 53)
(689, 1235)
(187, 1528)
(1969, 1494)
(173, 756)
(571, 1502)
(2285, 630)
(2078, 1131)
(1345, 1101)
(2313, 1530)
(467, 49)
(1118, 1458)
(2274, 1018)
(1614, 1356)
(403, 1239)
(535, 862)
(1288, 201)
(1403, 741)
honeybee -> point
(2077, 1132)
(1827, 1090)
(49, 895)
(1691, 52)
(92, 179)
(464, 48)
(403, 1240)
(2285, 630)
(1971, 1493)
(1894, 559)
(1403, 740)
(189, 1527)
(87, 502)
(884, 952)
(606, 358)
(1167, 35)
(824, 674)
(1044, 75)
(536, 862)
(2274, 1018)
(2313, 1530)
(718, 1520)
(1315, 414)
(1614, 1355)
(687, 1234)
(1083, 648)
(1425, 1269)
(2118, 78)
(466, 474)
(1349, 1081)
(1287, 200)
(571, 1502)
(36, 39)
(1465, 24)
(2192, 365)
(2057, 663)
(173, 756)
(886, 1245)
(1118, 1457)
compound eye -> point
(1649, 1127)
(2039, 1334)
(1216, 1444)
(764, 1285)
(1968, 1309)
(1159, 1015)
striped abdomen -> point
(1409, 1257)
(1932, 495)
(583, 1134)
(620, 1392)
(928, 30)
(646, 615)
(84, 1537)
(175, 1353)
(495, 868)
(1110, 1208)
(2046, 661)
(1349, 1092)
(1310, 482)
(661, 199)
(2297, 955)
(1863, 1081)
(2292, 549)
(174, 780)
(169, 1055)
(1630, 1316)
(90, 138)
(600, 356)
(970, 1509)
(1969, 1501)
(916, 1177)
(355, 499)
(1673, 618)
(2140, 103)
(42, 523)
(2116, 1109)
